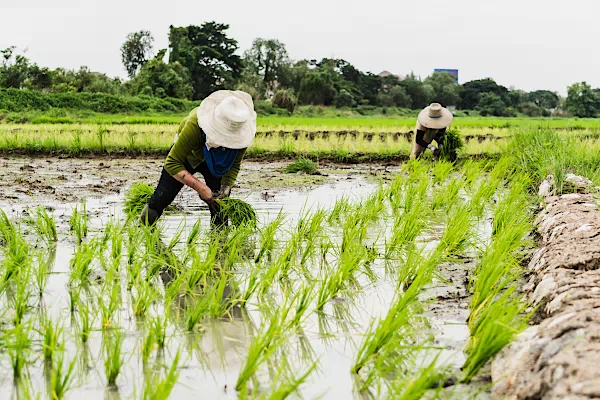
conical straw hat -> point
(228, 119)
(435, 116)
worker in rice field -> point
(432, 123)
(211, 141)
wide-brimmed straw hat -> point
(435, 116)
(228, 119)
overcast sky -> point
(528, 44)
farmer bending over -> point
(431, 125)
(211, 140)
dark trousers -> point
(168, 187)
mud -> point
(558, 357)
(29, 180)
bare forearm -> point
(189, 180)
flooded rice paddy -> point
(210, 356)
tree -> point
(268, 59)
(471, 92)
(544, 99)
(160, 79)
(136, 51)
(14, 69)
(317, 88)
(208, 54)
(444, 89)
(491, 104)
(516, 98)
(344, 99)
(419, 93)
(582, 101)
(400, 97)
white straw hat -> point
(435, 116)
(228, 119)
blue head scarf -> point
(219, 159)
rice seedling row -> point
(335, 298)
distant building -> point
(453, 72)
(383, 74)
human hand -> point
(434, 150)
(205, 193)
(213, 206)
(224, 192)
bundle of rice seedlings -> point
(302, 164)
(239, 212)
(138, 196)
(452, 144)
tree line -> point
(202, 59)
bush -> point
(285, 98)
(344, 99)
(18, 100)
(533, 110)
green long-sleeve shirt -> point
(189, 147)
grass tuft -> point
(302, 164)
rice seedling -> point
(266, 342)
(16, 251)
(302, 164)
(42, 224)
(448, 195)
(267, 237)
(22, 293)
(81, 263)
(211, 303)
(392, 332)
(61, 380)
(148, 345)
(44, 260)
(441, 171)
(86, 318)
(340, 209)
(410, 214)
(110, 301)
(143, 296)
(78, 222)
(193, 236)
(18, 345)
(420, 382)
(101, 133)
(252, 284)
(496, 325)
(158, 326)
(458, 234)
(136, 198)
(160, 389)
(116, 241)
(51, 333)
(239, 212)
(113, 356)
(452, 145)
(134, 241)
(284, 383)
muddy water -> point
(212, 358)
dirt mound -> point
(558, 358)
